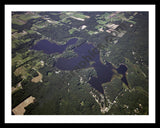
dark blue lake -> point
(49, 48)
(85, 54)
(122, 70)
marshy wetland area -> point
(80, 63)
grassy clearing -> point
(79, 15)
(19, 59)
(21, 19)
(72, 30)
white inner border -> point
(80, 118)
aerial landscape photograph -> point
(79, 63)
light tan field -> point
(19, 110)
(37, 78)
(20, 71)
(19, 86)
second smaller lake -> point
(48, 47)
(122, 70)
